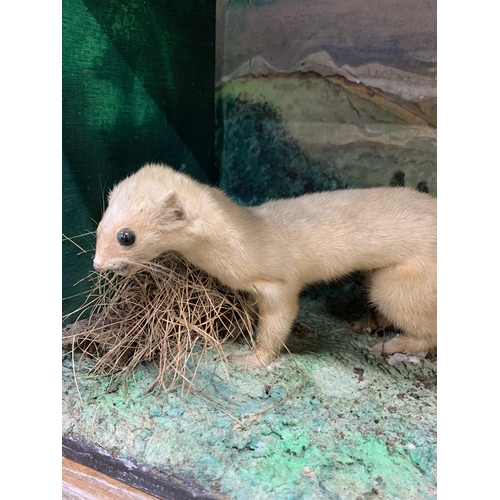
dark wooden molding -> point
(140, 476)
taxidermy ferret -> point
(273, 250)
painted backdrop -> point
(325, 94)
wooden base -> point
(82, 483)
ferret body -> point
(273, 250)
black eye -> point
(126, 237)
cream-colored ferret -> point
(274, 249)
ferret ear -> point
(170, 209)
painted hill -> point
(407, 85)
(323, 64)
(404, 84)
(347, 126)
(256, 66)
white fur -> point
(274, 249)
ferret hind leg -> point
(406, 294)
(372, 323)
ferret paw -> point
(403, 344)
(372, 323)
(257, 359)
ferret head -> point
(144, 218)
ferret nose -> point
(97, 266)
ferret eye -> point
(126, 237)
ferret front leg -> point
(277, 309)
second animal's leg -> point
(406, 294)
(277, 310)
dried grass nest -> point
(169, 312)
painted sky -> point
(396, 33)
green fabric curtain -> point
(138, 86)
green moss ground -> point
(356, 428)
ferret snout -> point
(121, 268)
(97, 266)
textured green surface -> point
(357, 427)
(137, 86)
